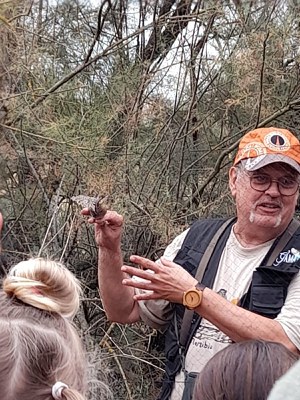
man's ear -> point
(232, 180)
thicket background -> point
(143, 100)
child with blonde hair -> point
(41, 354)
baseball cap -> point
(264, 146)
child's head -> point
(41, 356)
(245, 370)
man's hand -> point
(108, 232)
(108, 229)
(164, 279)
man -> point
(251, 296)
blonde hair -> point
(38, 344)
(44, 284)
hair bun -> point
(45, 284)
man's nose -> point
(273, 190)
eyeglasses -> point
(261, 182)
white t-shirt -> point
(233, 278)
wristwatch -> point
(192, 298)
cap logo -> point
(252, 162)
(277, 141)
(253, 149)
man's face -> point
(268, 208)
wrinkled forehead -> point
(281, 168)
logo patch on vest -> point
(290, 257)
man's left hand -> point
(161, 280)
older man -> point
(251, 286)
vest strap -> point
(283, 241)
(188, 314)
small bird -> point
(97, 206)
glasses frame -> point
(270, 183)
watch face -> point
(192, 298)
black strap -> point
(188, 314)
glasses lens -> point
(260, 182)
(286, 186)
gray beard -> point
(253, 214)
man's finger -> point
(144, 274)
(145, 263)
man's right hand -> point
(108, 229)
(108, 232)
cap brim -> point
(252, 164)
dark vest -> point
(266, 294)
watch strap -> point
(200, 286)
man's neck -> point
(250, 237)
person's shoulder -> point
(297, 231)
(205, 229)
(208, 222)
(288, 386)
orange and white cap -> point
(264, 146)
